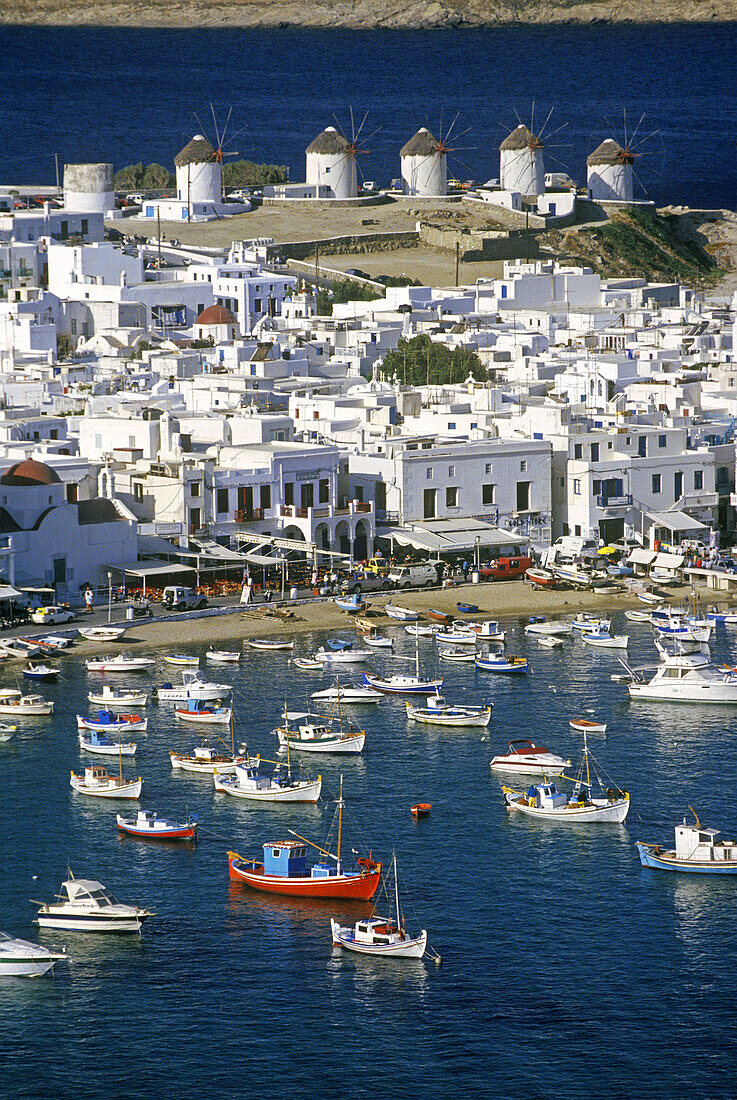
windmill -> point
(332, 159)
(424, 160)
(199, 165)
(521, 165)
(610, 168)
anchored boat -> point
(380, 936)
(526, 758)
(84, 905)
(149, 826)
(697, 850)
(439, 713)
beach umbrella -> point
(607, 550)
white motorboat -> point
(342, 694)
(12, 702)
(223, 656)
(526, 758)
(379, 936)
(545, 801)
(206, 760)
(318, 735)
(199, 711)
(100, 744)
(121, 662)
(378, 641)
(113, 698)
(401, 614)
(342, 656)
(108, 721)
(423, 630)
(604, 640)
(102, 633)
(249, 782)
(685, 678)
(550, 641)
(21, 959)
(488, 631)
(269, 643)
(437, 712)
(84, 905)
(457, 636)
(184, 659)
(584, 622)
(557, 629)
(193, 686)
(402, 685)
(97, 782)
(460, 656)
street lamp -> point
(109, 597)
(478, 540)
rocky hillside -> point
(397, 14)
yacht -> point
(84, 905)
(685, 678)
(21, 959)
(193, 686)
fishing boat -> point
(541, 578)
(651, 596)
(99, 743)
(112, 697)
(602, 639)
(460, 656)
(55, 641)
(637, 616)
(181, 659)
(456, 635)
(379, 936)
(269, 643)
(40, 672)
(378, 641)
(206, 760)
(488, 631)
(697, 850)
(550, 641)
(98, 783)
(193, 686)
(284, 869)
(439, 713)
(545, 801)
(420, 809)
(108, 721)
(422, 630)
(439, 616)
(526, 758)
(122, 662)
(308, 664)
(223, 656)
(198, 710)
(12, 702)
(21, 959)
(147, 825)
(248, 781)
(402, 685)
(584, 622)
(500, 662)
(577, 576)
(587, 725)
(347, 656)
(557, 629)
(467, 608)
(727, 618)
(84, 905)
(352, 604)
(341, 693)
(401, 614)
(317, 734)
(17, 647)
(102, 633)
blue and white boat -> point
(698, 850)
(729, 618)
(402, 685)
(40, 671)
(100, 743)
(350, 603)
(108, 721)
(500, 662)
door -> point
(678, 484)
(60, 571)
(429, 503)
(523, 496)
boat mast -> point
(586, 754)
(396, 889)
(340, 821)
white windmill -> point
(610, 172)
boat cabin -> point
(489, 628)
(96, 776)
(87, 892)
(314, 731)
(375, 930)
(287, 859)
(703, 845)
(546, 796)
(146, 819)
(204, 753)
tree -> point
(244, 173)
(129, 178)
(420, 362)
(344, 290)
(156, 177)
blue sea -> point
(568, 970)
(127, 96)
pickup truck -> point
(363, 582)
(505, 569)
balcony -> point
(622, 500)
(245, 515)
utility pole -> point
(158, 229)
(458, 260)
(317, 270)
(56, 162)
(189, 192)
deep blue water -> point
(567, 968)
(125, 96)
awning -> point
(154, 544)
(455, 536)
(421, 540)
(668, 561)
(7, 592)
(676, 521)
(150, 568)
(215, 550)
(263, 559)
(641, 557)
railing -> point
(621, 500)
(244, 515)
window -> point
(289, 492)
(74, 327)
(523, 465)
(265, 497)
(451, 496)
(131, 441)
(222, 500)
(85, 227)
(307, 494)
(323, 490)
(194, 518)
(451, 471)
(488, 468)
(577, 486)
(594, 452)
(596, 487)
(698, 479)
(662, 440)
(98, 442)
(656, 483)
(577, 530)
(451, 425)
(488, 494)
(428, 473)
(358, 491)
(578, 450)
(257, 305)
(677, 483)
(138, 491)
(72, 495)
(195, 488)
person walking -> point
(88, 600)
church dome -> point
(216, 315)
(30, 472)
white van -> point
(414, 576)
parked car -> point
(505, 569)
(414, 576)
(177, 598)
(55, 613)
(364, 582)
(377, 565)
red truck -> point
(505, 569)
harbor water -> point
(97, 94)
(567, 968)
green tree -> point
(244, 173)
(156, 177)
(420, 361)
(344, 290)
(129, 178)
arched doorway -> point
(343, 538)
(360, 542)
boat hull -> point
(300, 792)
(350, 744)
(123, 749)
(358, 886)
(419, 714)
(501, 666)
(184, 831)
(652, 856)
(677, 693)
(91, 923)
(408, 948)
(113, 790)
(403, 685)
(205, 767)
(600, 811)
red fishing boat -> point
(439, 616)
(149, 825)
(284, 870)
(421, 809)
(541, 578)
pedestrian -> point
(88, 600)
